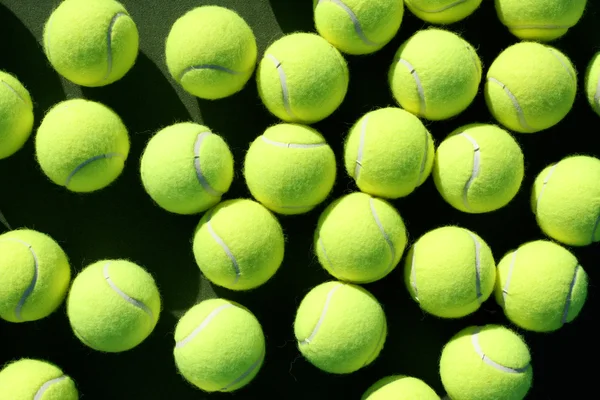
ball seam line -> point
(315, 330)
(544, 183)
(570, 295)
(516, 105)
(13, 90)
(361, 146)
(322, 245)
(437, 10)
(424, 160)
(379, 341)
(285, 93)
(109, 57)
(134, 302)
(199, 174)
(34, 278)
(4, 221)
(221, 242)
(89, 161)
(509, 277)
(40, 393)
(477, 267)
(489, 361)
(596, 104)
(357, 27)
(245, 374)
(595, 228)
(209, 66)
(413, 272)
(473, 55)
(474, 171)
(565, 66)
(534, 26)
(202, 325)
(385, 235)
(418, 83)
(292, 145)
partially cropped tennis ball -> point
(478, 168)
(113, 305)
(302, 78)
(28, 379)
(82, 145)
(16, 115)
(91, 43)
(592, 83)
(450, 272)
(442, 11)
(541, 286)
(290, 168)
(530, 87)
(340, 328)
(435, 74)
(360, 238)
(238, 244)
(566, 200)
(541, 20)
(486, 363)
(389, 153)
(219, 346)
(34, 275)
(211, 51)
(358, 26)
(186, 168)
(400, 387)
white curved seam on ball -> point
(413, 272)
(597, 96)
(40, 393)
(322, 245)
(125, 296)
(420, 90)
(509, 277)
(565, 66)
(357, 27)
(516, 105)
(424, 160)
(489, 361)
(477, 268)
(311, 337)
(203, 324)
(221, 242)
(385, 236)
(569, 298)
(292, 145)
(594, 229)
(534, 26)
(89, 161)
(546, 180)
(199, 174)
(247, 372)
(474, 56)
(361, 146)
(474, 171)
(438, 10)
(34, 278)
(377, 346)
(13, 90)
(284, 88)
(208, 66)
(109, 58)
(4, 221)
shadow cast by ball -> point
(293, 15)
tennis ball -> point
(290, 168)
(82, 145)
(340, 328)
(478, 168)
(302, 78)
(435, 74)
(400, 387)
(238, 244)
(486, 363)
(442, 11)
(34, 275)
(360, 238)
(211, 52)
(450, 272)
(91, 43)
(530, 87)
(541, 20)
(592, 83)
(358, 26)
(186, 168)
(389, 153)
(541, 286)
(219, 346)
(566, 200)
(28, 379)
(113, 305)
(16, 115)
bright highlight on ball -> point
(16, 115)
(442, 11)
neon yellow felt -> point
(389, 153)
(238, 244)
(302, 78)
(211, 51)
(450, 272)
(220, 346)
(592, 81)
(82, 145)
(358, 26)
(400, 387)
(113, 305)
(541, 20)
(91, 42)
(28, 379)
(442, 11)
(16, 115)
(340, 328)
(530, 87)
(566, 200)
(34, 275)
(290, 169)
(486, 363)
(435, 74)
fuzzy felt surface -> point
(400, 387)
(16, 115)
(28, 379)
(592, 78)
(442, 11)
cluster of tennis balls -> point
(113, 305)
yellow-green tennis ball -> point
(340, 328)
(450, 272)
(442, 11)
(219, 346)
(360, 238)
(82, 145)
(302, 78)
(34, 275)
(478, 168)
(186, 168)
(566, 200)
(400, 387)
(530, 87)
(541, 20)
(29, 379)
(389, 153)
(211, 52)
(91, 43)
(486, 363)
(358, 26)
(238, 244)
(541, 286)
(113, 305)
(592, 83)
(290, 168)
(435, 74)
(16, 115)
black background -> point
(122, 222)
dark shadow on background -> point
(293, 15)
